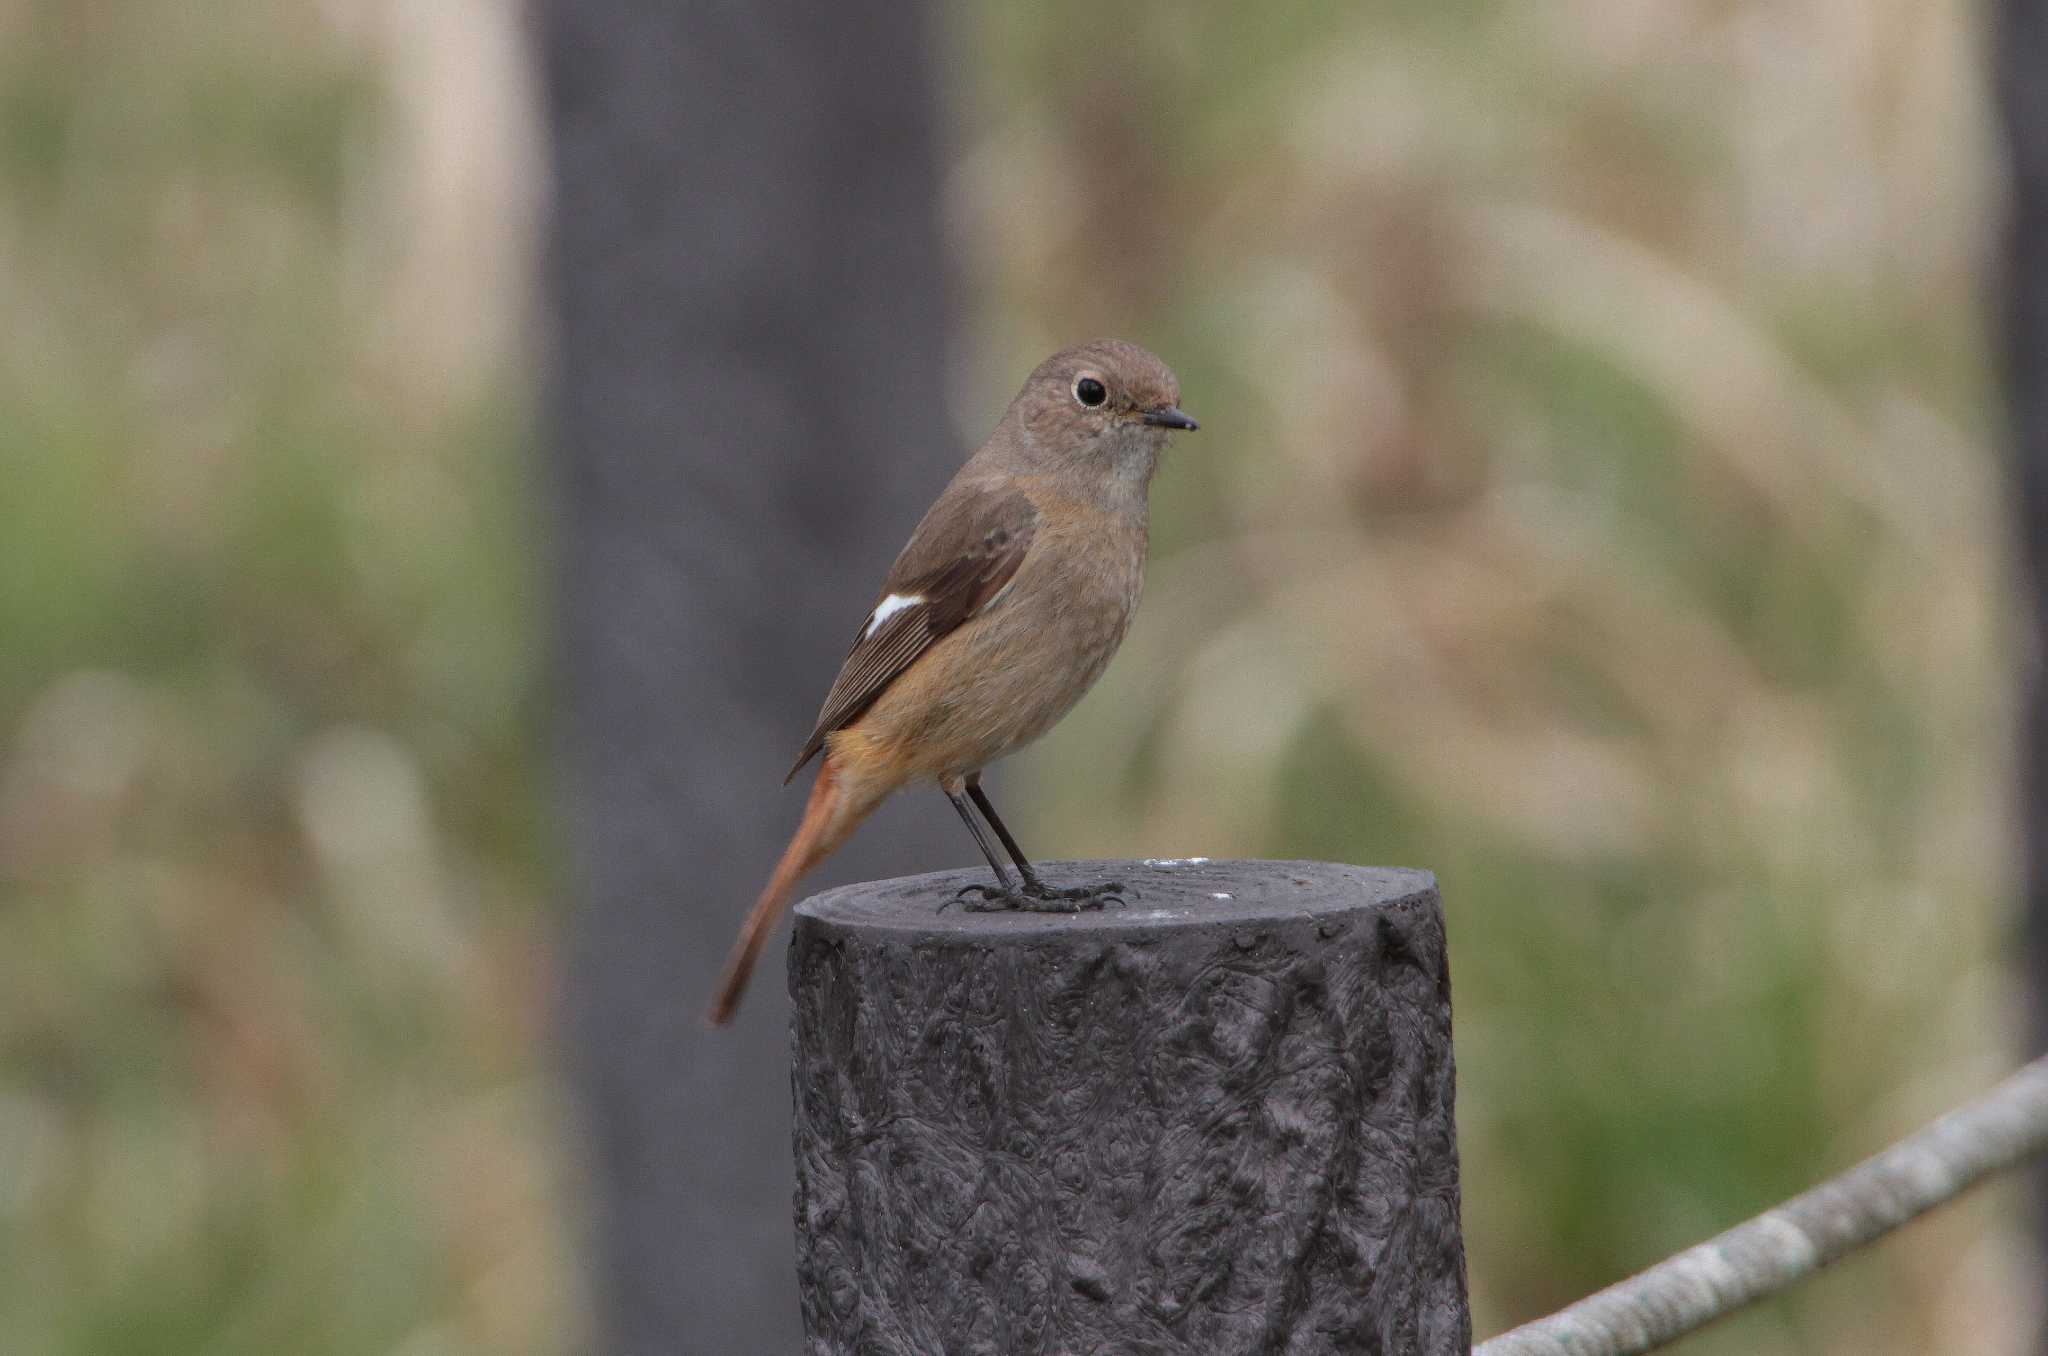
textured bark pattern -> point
(1218, 1120)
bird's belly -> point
(997, 683)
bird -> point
(1003, 609)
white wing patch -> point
(889, 607)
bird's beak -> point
(1169, 416)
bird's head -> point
(1105, 407)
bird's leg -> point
(1004, 888)
(1044, 897)
(995, 821)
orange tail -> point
(828, 819)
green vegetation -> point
(1597, 501)
(272, 974)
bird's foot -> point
(1037, 897)
(1076, 898)
(988, 899)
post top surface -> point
(1160, 893)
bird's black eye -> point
(1090, 392)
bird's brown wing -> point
(962, 555)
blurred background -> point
(1598, 501)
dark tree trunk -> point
(750, 366)
(1215, 1121)
(2020, 45)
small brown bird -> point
(1002, 611)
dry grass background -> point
(1597, 501)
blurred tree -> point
(750, 415)
(2021, 48)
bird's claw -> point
(993, 899)
(1079, 897)
(1036, 898)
